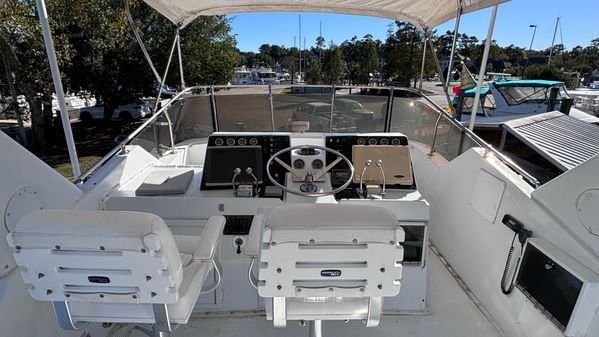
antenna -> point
(300, 47)
(320, 47)
(553, 41)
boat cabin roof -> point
(528, 83)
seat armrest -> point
(252, 246)
(210, 238)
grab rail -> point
(506, 160)
(211, 91)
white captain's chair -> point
(326, 262)
(117, 267)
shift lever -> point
(250, 172)
(236, 172)
(379, 163)
(367, 164)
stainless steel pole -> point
(140, 42)
(483, 67)
(64, 114)
(423, 60)
(455, 38)
(180, 58)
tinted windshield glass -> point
(518, 95)
(249, 109)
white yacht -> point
(412, 226)
(242, 76)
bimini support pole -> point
(483, 67)
(64, 115)
(455, 38)
(423, 59)
(436, 59)
(140, 42)
(180, 58)
(168, 118)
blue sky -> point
(579, 25)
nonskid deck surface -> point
(451, 314)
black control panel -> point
(227, 150)
(238, 224)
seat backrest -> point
(314, 255)
(97, 256)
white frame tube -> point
(483, 67)
(180, 58)
(64, 114)
(423, 60)
(455, 38)
(140, 42)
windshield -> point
(252, 109)
(267, 75)
(519, 95)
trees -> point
(332, 66)
(403, 50)
(96, 52)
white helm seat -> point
(329, 262)
(108, 266)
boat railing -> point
(402, 110)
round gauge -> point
(298, 164)
(361, 141)
(317, 164)
(372, 141)
(384, 141)
(242, 141)
(253, 141)
(219, 141)
(230, 141)
(395, 141)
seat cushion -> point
(165, 182)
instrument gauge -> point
(219, 142)
(230, 141)
(242, 141)
(317, 164)
(253, 141)
(361, 141)
(372, 141)
(395, 141)
(384, 141)
(298, 164)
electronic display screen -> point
(222, 161)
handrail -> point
(442, 113)
(506, 160)
(132, 136)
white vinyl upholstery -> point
(110, 266)
(329, 262)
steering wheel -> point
(316, 174)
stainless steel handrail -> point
(134, 134)
(442, 114)
(506, 160)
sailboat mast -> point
(553, 40)
(300, 47)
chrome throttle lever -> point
(367, 164)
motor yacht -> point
(219, 217)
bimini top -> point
(484, 91)
(528, 83)
(424, 14)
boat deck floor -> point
(451, 313)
